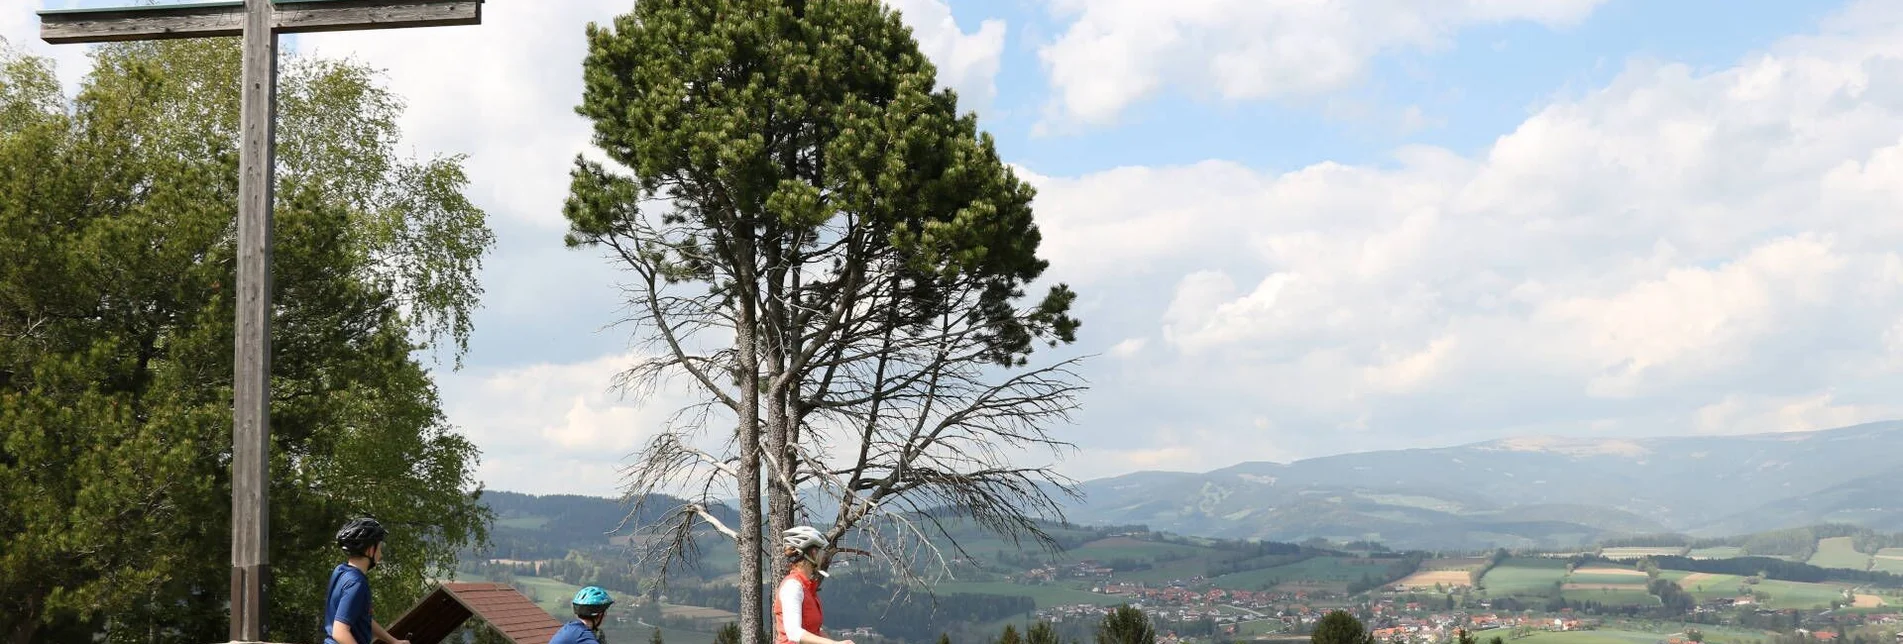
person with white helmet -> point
(796, 611)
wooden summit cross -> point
(259, 22)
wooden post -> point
(259, 22)
(251, 387)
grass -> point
(1105, 550)
(697, 612)
(1167, 571)
(1589, 637)
(1888, 560)
(1721, 552)
(1839, 552)
(1043, 596)
(1615, 575)
(553, 595)
(1798, 595)
(1713, 635)
(1524, 576)
(1463, 563)
(1635, 553)
(1706, 586)
(1331, 572)
(632, 632)
(1613, 597)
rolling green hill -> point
(996, 584)
(1528, 492)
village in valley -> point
(1441, 601)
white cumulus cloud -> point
(1676, 251)
(1114, 53)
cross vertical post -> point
(251, 385)
(258, 22)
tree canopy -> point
(1126, 625)
(117, 219)
(834, 257)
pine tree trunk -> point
(779, 323)
(748, 373)
(780, 503)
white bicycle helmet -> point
(803, 538)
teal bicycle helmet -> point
(591, 602)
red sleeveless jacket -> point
(810, 617)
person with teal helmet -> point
(591, 607)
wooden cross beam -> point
(215, 19)
(259, 22)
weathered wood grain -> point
(251, 431)
(225, 19)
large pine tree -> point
(835, 247)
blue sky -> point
(1300, 231)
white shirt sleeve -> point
(792, 599)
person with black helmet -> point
(591, 607)
(347, 618)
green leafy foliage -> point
(796, 199)
(116, 326)
(1339, 627)
(1041, 633)
(1126, 625)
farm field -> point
(1712, 636)
(1432, 578)
(1332, 573)
(1462, 564)
(697, 612)
(1635, 553)
(631, 631)
(1044, 596)
(1105, 550)
(1721, 552)
(1798, 595)
(1524, 576)
(551, 594)
(1444, 572)
(1706, 586)
(1605, 575)
(1588, 637)
(1888, 560)
(1167, 571)
(1611, 596)
(1839, 552)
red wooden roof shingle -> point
(445, 609)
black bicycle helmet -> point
(360, 534)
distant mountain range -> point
(1529, 492)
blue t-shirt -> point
(574, 632)
(349, 603)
